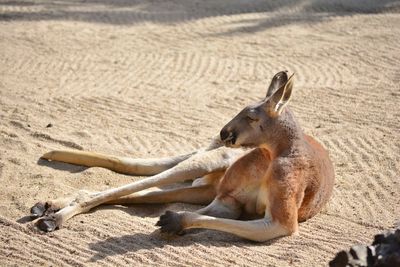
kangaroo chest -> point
(245, 182)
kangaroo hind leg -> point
(196, 166)
(203, 194)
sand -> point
(158, 78)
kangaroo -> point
(262, 164)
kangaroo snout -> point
(229, 137)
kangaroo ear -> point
(277, 82)
(280, 98)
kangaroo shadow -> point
(139, 241)
(61, 166)
(25, 219)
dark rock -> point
(384, 252)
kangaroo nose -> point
(224, 134)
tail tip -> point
(47, 156)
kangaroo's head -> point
(263, 121)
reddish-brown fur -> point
(297, 193)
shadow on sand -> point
(61, 166)
(139, 241)
(124, 12)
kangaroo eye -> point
(252, 116)
(251, 119)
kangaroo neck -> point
(285, 137)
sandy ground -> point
(157, 78)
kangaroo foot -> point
(51, 215)
(171, 223)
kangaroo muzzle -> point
(228, 137)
